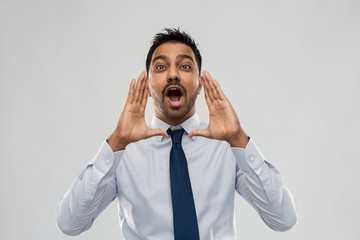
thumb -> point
(155, 132)
(200, 132)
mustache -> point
(173, 83)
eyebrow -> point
(181, 56)
(162, 57)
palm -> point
(133, 122)
(222, 123)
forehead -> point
(173, 49)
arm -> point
(95, 188)
(260, 184)
(257, 181)
(91, 192)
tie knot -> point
(176, 135)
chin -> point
(178, 115)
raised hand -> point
(224, 123)
(132, 126)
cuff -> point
(250, 158)
(105, 158)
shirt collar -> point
(188, 125)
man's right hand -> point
(132, 126)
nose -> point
(173, 74)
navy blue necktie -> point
(185, 222)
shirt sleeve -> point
(260, 183)
(90, 193)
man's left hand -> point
(224, 123)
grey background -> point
(290, 69)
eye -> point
(185, 66)
(159, 67)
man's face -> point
(174, 82)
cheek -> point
(190, 82)
(155, 87)
(195, 86)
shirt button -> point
(252, 158)
(107, 161)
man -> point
(176, 187)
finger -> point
(145, 97)
(130, 98)
(138, 86)
(156, 132)
(219, 91)
(211, 86)
(207, 87)
(144, 92)
(207, 98)
(200, 132)
(208, 101)
(142, 86)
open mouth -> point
(175, 95)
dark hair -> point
(173, 35)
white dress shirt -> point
(139, 177)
